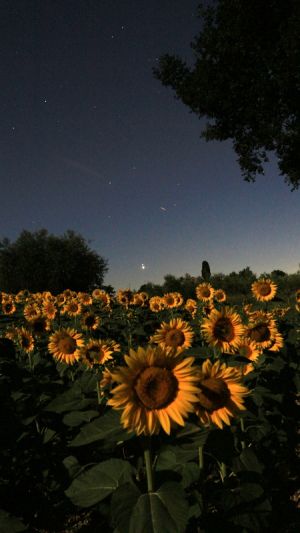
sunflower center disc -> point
(67, 345)
(260, 333)
(174, 338)
(224, 330)
(264, 289)
(156, 387)
(214, 394)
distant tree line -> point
(39, 261)
(237, 285)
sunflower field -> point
(131, 414)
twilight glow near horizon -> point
(92, 142)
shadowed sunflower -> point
(264, 289)
(223, 329)
(40, 325)
(25, 340)
(8, 307)
(31, 311)
(297, 295)
(72, 308)
(95, 352)
(277, 343)
(155, 390)
(65, 345)
(222, 393)
(61, 299)
(90, 321)
(101, 296)
(262, 331)
(204, 292)
(175, 335)
(191, 306)
(49, 309)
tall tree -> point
(40, 261)
(246, 81)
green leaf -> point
(10, 524)
(48, 435)
(123, 500)
(98, 482)
(68, 401)
(175, 459)
(75, 418)
(165, 510)
(72, 465)
(106, 427)
(247, 460)
(246, 493)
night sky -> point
(91, 141)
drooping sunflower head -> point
(65, 345)
(25, 340)
(264, 289)
(204, 292)
(221, 393)
(154, 390)
(191, 306)
(175, 335)
(49, 309)
(223, 329)
(95, 353)
(262, 331)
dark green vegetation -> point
(40, 261)
(67, 465)
(246, 81)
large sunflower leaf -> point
(10, 524)
(175, 459)
(106, 427)
(165, 510)
(68, 401)
(123, 500)
(75, 418)
(98, 482)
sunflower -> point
(101, 296)
(95, 352)
(90, 321)
(204, 292)
(264, 289)
(154, 390)
(170, 300)
(65, 345)
(125, 297)
(223, 329)
(137, 300)
(31, 311)
(25, 340)
(156, 304)
(222, 393)
(49, 309)
(8, 307)
(40, 325)
(262, 331)
(277, 343)
(61, 299)
(72, 308)
(220, 295)
(251, 351)
(297, 295)
(191, 306)
(179, 299)
(175, 335)
(85, 298)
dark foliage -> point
(41, 261)
(246, 81)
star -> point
(163, 208)
(143, 266)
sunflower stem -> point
(243, 444)
(149, 470)
(98, 391)
(201, 459)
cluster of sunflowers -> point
(157, 385)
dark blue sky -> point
(90, 141)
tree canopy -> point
(41, 261)
(246, 81)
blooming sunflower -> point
(49, 309)
(95, 352)
(277, 343)
(72, 308)
(90, 321)
(25, 340)
(175, 335)
(65, 345)
(191, 306)
(154, 390)
(297, 295)
(40, 325)
(220, 295)
(156, 304)
(264, 289)
(204, 292)
(85, 298)
(223, 329)
(101, 296)
(8, 307)
(125, 297)
(251, 351)
(61, 299)
(31, 311)
(222, 393)
(262, 331)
